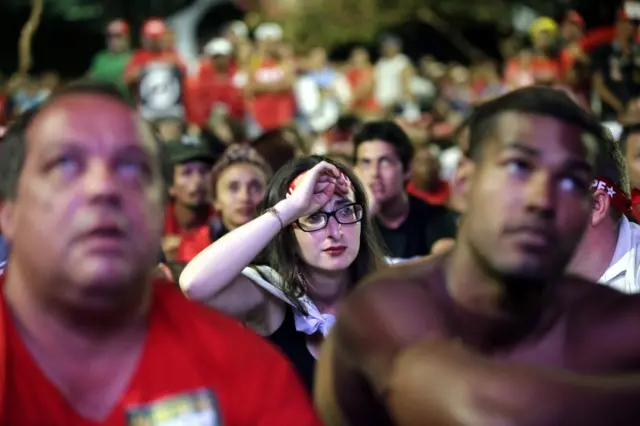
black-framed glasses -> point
(347, 215)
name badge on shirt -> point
(197, 408)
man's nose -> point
(100, 182)
(541, 193)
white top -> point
(314, 320)
(622, 273)
(388, 73)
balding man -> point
(87, 335)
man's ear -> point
(7, 226)
(601, 207)
(460, 184)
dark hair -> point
(274, 147)
(531, 100)
(389, 132)
(13, 149)
(281, 253)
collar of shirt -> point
(622, 271)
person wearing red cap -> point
(574, 61)
(616, 69)
(109, 64)
(156, 74)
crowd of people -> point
(402, 243)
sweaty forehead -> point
(542, 132)
(94, 121)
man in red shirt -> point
(87, 338)
(156, 74)
(216, 87)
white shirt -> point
(388, 73)
(622, 273)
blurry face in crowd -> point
(626, 29)
(528, 197)
(632, 156)
(88, 211)
(317, 58)
(390, 49)
(360, 57)
(191, 184)
(334, 247)
(169, 129)
(571, 31)
(425, 168)
(154, 44)
(244, 50)
(380, 168)
(544, 39)
(239, 190)
(117, 42)
(221, 61)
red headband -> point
(294, 183)
(619, 199)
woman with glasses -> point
(284, 273)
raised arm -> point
(215, 270)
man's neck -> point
(189, 217)
(326, 288)
(475, 288)
(394, 212)
(54, 327)
(595, 252)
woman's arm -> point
(216, 267)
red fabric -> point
(207, 88)
(189, 347)
(437, 198)
(356, 76)
(272, 110)
(619, 200)
(193, 241)
(3, 110)
(142, 57)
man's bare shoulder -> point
(395, 305)
(581, 295)
(598, 313)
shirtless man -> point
(492, 333)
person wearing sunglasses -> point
(284, 273)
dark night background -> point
(67, 46)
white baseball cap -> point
(218, 46)
(268, 31)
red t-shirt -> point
(208, 88)
(437, 198)
(196, 365)
(272, 110)
(193, 241)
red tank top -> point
(198, 367)
(272, 110)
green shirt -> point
(110, 67)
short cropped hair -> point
(610, 163)
(13, 149)
(390, 132)
(531, 100)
